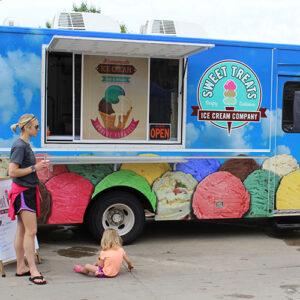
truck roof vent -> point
(71, 21)
(85, 21)
(77, 20)
(163, 27)
(173, 27)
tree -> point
(123, 28)
(48, 24)
(83, 7)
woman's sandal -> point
(37, 280)
(23, 274)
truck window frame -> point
(288, 109)
(70, 142)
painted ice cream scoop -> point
(174, 192)
(70, 195)
(262, 186)
(105, 107)
(149, 171)
(287, 196)
(281, 165)
(220, 195)
(114, 108)
(199, 168)
(4, 162)
(240, 167)
(94, 173)
(229, 93)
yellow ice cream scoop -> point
(149, 171)
(229, 93)
(288, 193)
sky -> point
(255, 20)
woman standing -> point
(25, 197)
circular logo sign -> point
(229, 95)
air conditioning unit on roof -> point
(171, 27)
(85, 21)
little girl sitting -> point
(110, 258)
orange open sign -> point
(160, 131)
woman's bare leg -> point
(30, 225)
(19, 248)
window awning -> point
(122, 47)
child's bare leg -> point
(89, 268)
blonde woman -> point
(110, 259)
(25, 197)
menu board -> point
(7, 227)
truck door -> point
(287, 139)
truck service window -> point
(291, 107)
(59, 95)
(164, 80)
(102, 99)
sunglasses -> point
(36, 127)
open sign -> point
(160, 131)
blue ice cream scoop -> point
(199, 168)
(112, 94)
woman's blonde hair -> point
(110, 239)
(24, 120)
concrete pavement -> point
(172, 261)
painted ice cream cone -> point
(115, 108)
(230, 93)
(114, 122)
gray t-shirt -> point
(22, 154)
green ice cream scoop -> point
(112, 94)
(262, 186)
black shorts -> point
(26, 201)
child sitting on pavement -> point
(110, 259)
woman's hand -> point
(42, 165)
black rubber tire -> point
(97, 208)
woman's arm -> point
(15, 171)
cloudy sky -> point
(255, 20)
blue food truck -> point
(167, 127)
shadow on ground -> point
(167, 230)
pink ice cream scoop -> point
(230, 85)
(70, 194)
(220, 195)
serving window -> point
(113, 99)
(115, 91)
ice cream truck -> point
(141, 126)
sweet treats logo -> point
(114, 110)
(229, 96)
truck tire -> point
(120, 210)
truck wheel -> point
(119, 210)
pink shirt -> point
(112, 261)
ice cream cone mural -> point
(114, 110)
(229, 93)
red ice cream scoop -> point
(220, 195)
(71, 194)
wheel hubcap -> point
(119, 217)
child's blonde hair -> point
(24, 120)
(110, 239)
